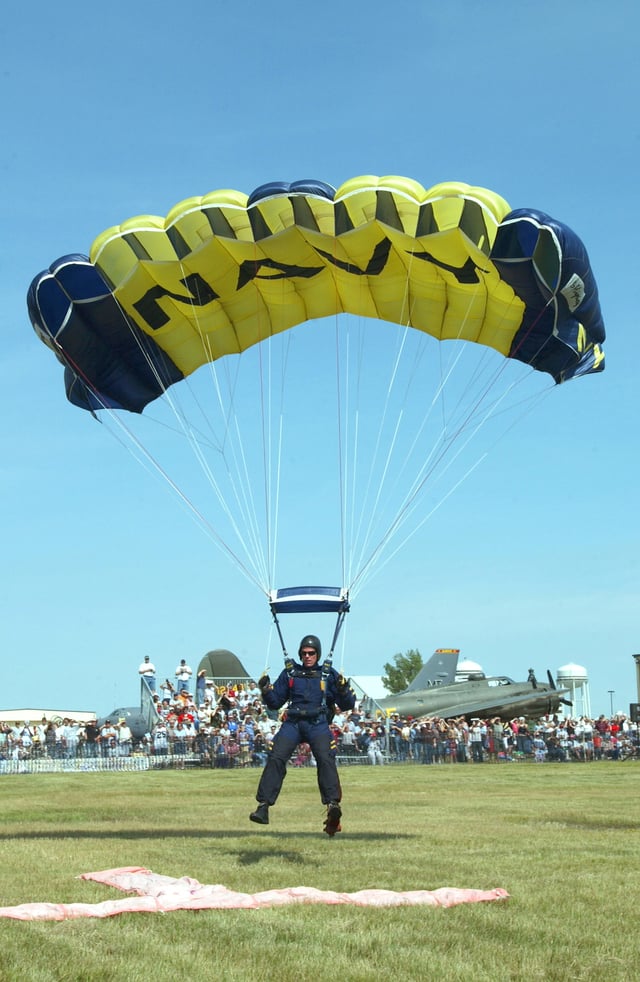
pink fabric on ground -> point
(157, 893)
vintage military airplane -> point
(435, 692)
(138, 720)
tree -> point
(399, 676)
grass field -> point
(564, 840)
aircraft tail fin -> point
(147, 705)
(439, 670)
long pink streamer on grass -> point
(156, 893)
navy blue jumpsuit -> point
(306, 721)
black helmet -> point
(310, 641)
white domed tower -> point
(468, 669)
(576, 679)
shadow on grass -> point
(592, 824)
(182, 833)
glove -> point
(342, 685)
(263, 683)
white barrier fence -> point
(80, 765)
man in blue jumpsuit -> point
(313, 692)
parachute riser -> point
(287, 660)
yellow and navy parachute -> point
(158, 297)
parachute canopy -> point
(159, 297)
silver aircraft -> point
(435, 692)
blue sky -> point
(109, 114)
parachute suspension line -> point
(411, 503)
(349, 460)
(246, 533)
(350, 422)
(244, 503)
(273, 463)
(351, 473)
(343, 463)
(391, 446)
(145, 455)
(351, 494)
(264, 546)
(376, 502)
(241, 484)
(367, 571)
(356, 457)
(241, 489)
(238, 476)
(271, 446)
(551, 302)
(376, 454)
(417, 435)
(265, 430)
(272, 456)
(444, 441)
(433, 460)
(146, 458)
(342, 423)
(276, 504)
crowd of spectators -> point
(553, 738)
(227, 726)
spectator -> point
(167, 690)
(160, 739)
(253, 690)
(395, 735)
(374, 750)
(348, 740)
(108, 739)
(259, 750)
(147, 671)
(71, 737)
(539, 747)
(210, 696)
(242, 699)
(180, 735)
(124, 738)
(201, 684)
(91, 735)
(476, 741)
(183, 676)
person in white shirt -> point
(374, 750)
(125, 739)
(147, 671)
(183, 676)
(71, 736)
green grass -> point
(563, 839)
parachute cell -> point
(159, 297)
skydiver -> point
(313, 692)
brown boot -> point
(332, 821)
